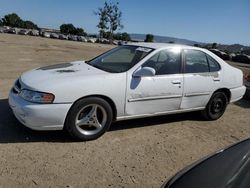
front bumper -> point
(38, 116)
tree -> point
(122, 36)
(114, 17)
(28, 25)
(1, 23)
(80, 32)
(214, 45)
(125, 37)
(12, 20)
(67, 28)
(103, 20)
(149, 38)
(71, 29)
(109, 18)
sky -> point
(221, 21)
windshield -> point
(120, 59)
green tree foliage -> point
(1, 23)
(103, 20)
(122, 36)
(214, 45)
(118, 36)
(80, 32)
(71, 29)
(109, 18)
(67, 28)
(28, 25)
(149, 38)
(13, 20)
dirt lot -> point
(138, 153)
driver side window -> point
(165, 62)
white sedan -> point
(127, 82)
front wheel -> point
(89, 118)
(216, 106)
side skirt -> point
(158, 114)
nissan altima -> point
(131, 81)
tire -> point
(89, 118)
(216, 106)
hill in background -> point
(166, 39)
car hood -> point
(58, 73)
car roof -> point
(160, 45)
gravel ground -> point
(136, 153)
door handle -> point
(216, 79)
(176, 82)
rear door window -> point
(196, 62)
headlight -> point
(37, 97)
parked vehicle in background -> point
(242, 58)
(23, 32)
(2, 29)
(247, 84)
(127, 82)
(221, 54)
(72, 37)
(120, 43)
(226, 168)
(11, 31)
(34, 32)
(54, 36)
(46, 34)
(63, 37)
(81, 39)
(92, 40)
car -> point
(34, 32)
(226, 168)
(63, 37)
(23, 32)
(242, 58)
(247, 84)
(72, 37)
(221, 54)
(130, 81)
(82, 39)
(46, 34)
(11, 31)
(54, 36)
(92, 40)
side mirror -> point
(144, 72)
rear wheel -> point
(216, 106)
(89, 118)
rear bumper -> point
(237, 93)
(38, 116)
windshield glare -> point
(120, 59)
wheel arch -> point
(107, 99)
(226, 91)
